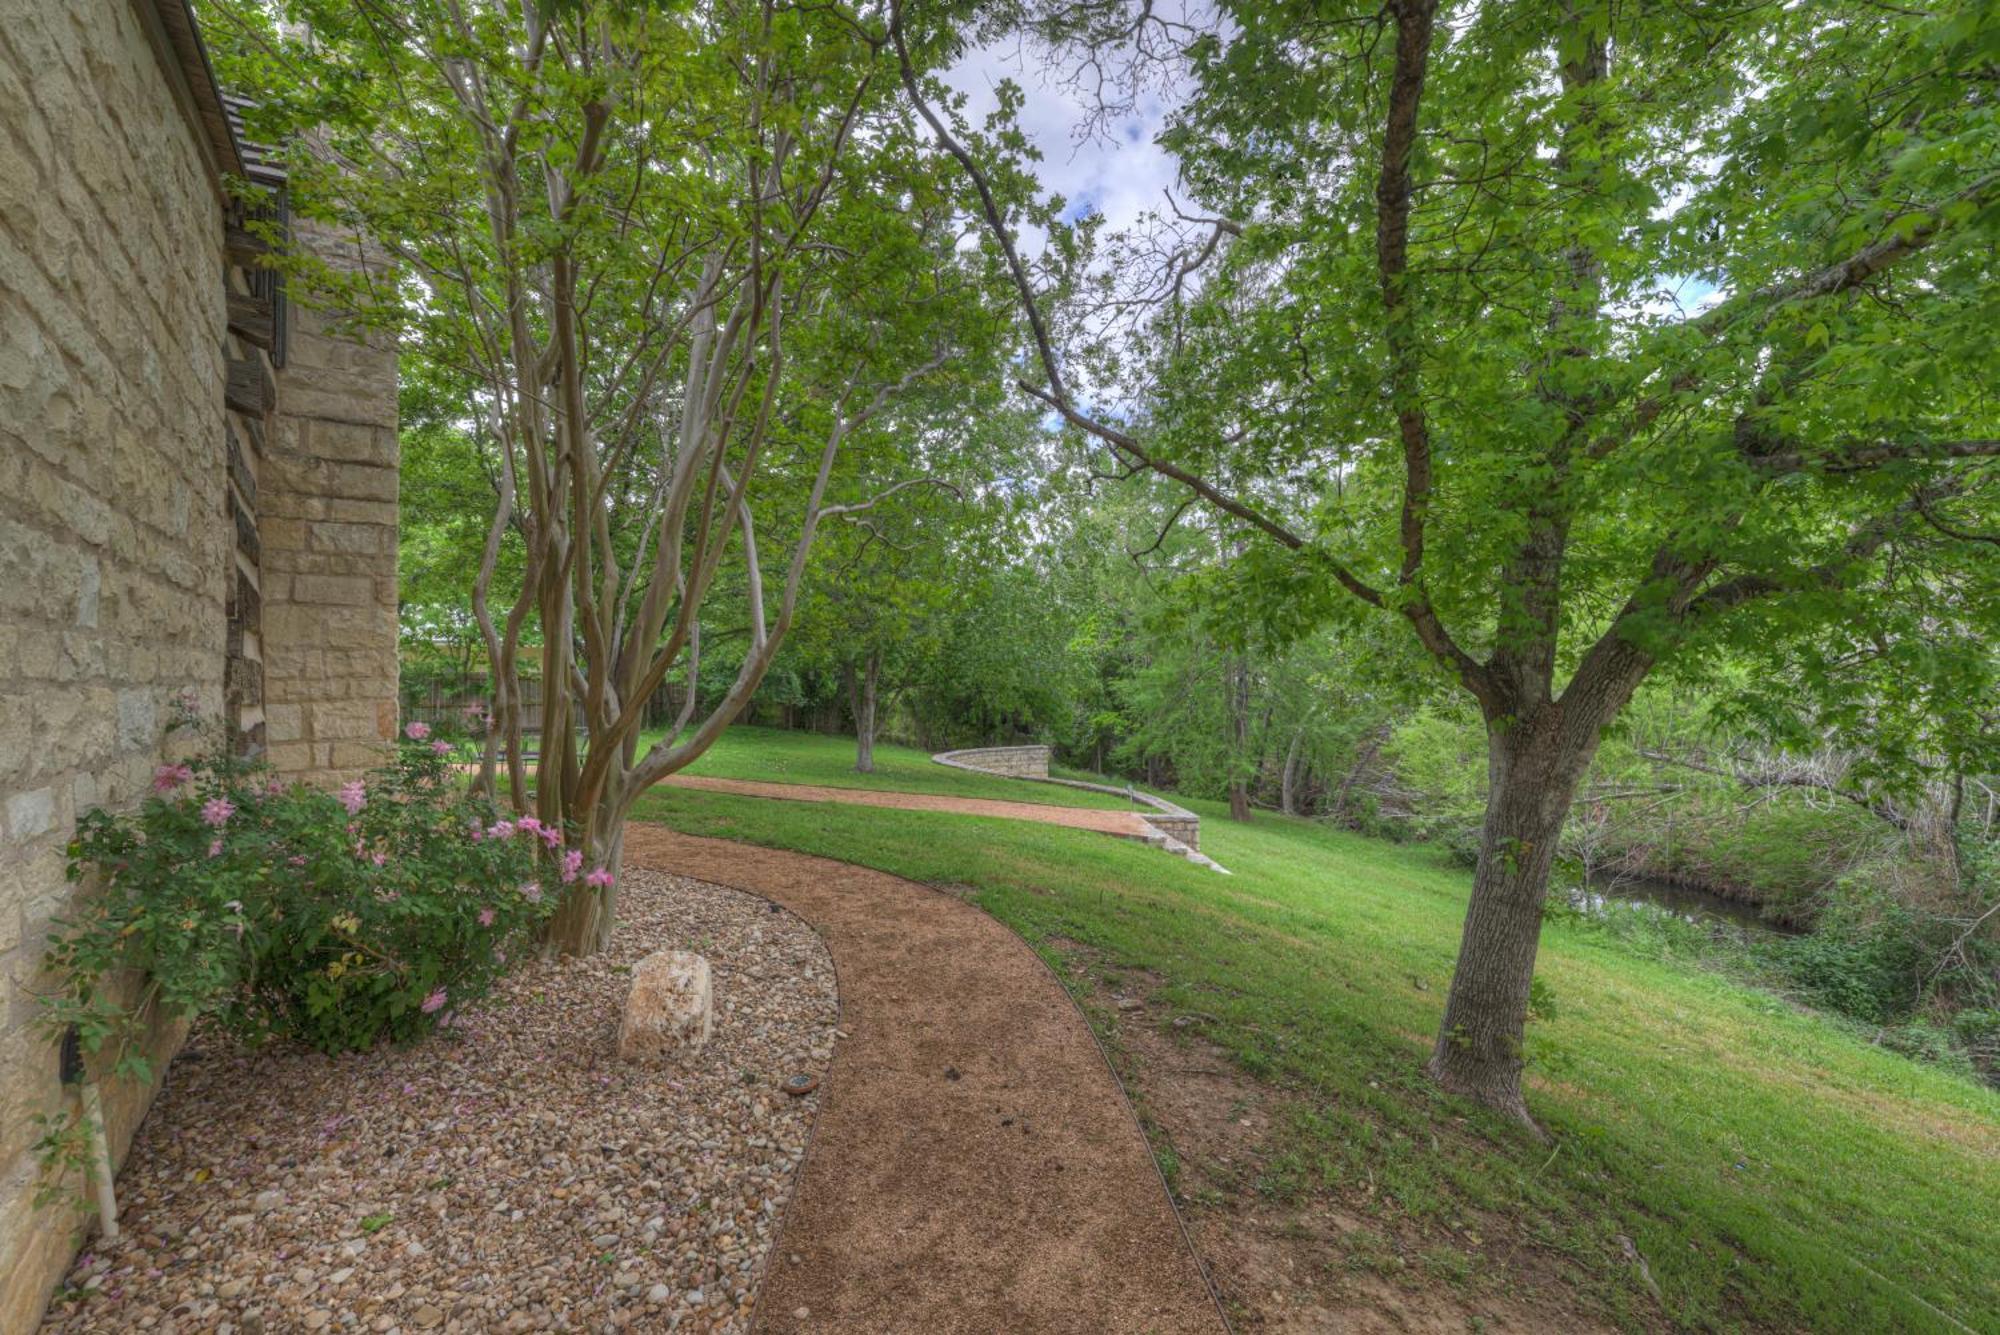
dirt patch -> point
(975, 1166)
(1287, 1256)
(1127, 824)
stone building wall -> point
(146, 446)
(327, 523)
(113, 554)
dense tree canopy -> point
(1535, 374)
(1439, 362)
(679, 264)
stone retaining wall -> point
(1032, 762)
(1013, 762)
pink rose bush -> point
(334, 919)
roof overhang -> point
(184, 43)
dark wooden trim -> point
(251, 319)
(239, 469)
(183, 34)
(244, 249)
(250, 390)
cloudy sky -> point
(1119, 172)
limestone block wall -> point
(327, 524)
(114, 549)
(1032, 762)
(1014, 762)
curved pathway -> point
(1128, 824)
(975, 1166)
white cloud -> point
(1120, 172)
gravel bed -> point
(507, 1174)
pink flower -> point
(217, 811)
(215, 848)
(169, 777)
(598, 879)
(500, 955)
(501, 829)
(297, 860)
(572, 863)
(477, 833)
(532, 891)
(486, 916)
(417, 731)
(274, 787)
(528, 825)
(379, 857)
(354, 796)
(552, 836)
(440, 747)
(434, 1002)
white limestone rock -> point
(670, 1009)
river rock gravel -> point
(508, 1174)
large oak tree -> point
(1420, 334)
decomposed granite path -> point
(1129, 824)
(974, 1166)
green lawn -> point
(777, 756)
(1774, 1170)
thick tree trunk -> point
(585, 914)
(863, 695)
(1532, 770)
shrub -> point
(335, 920)
(1864, 958)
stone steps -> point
(1031, 764)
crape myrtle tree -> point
(680, 259)
(1433, 361)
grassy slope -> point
(1761, 1159)
(776, 756)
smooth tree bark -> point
(1237, 684)
(681, 259)
(1289, 776)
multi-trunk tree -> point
(1422, 339)
(679, 260)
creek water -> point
(1679, 900)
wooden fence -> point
(447, 703)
